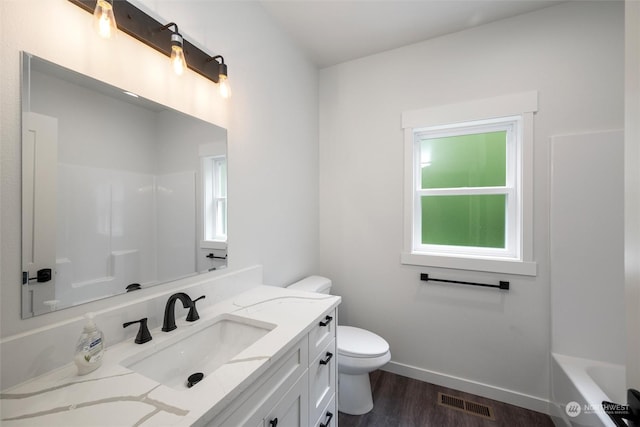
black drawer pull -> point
(273, 422)
(326, 321)
(327, 420)
(326, 359)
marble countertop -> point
(114, 395)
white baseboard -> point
(491, 392)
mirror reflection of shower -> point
(116, 190)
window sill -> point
(213, 244)
(522, 268)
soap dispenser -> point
(90, 347)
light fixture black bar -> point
(141, 26)
(222, 67)
(504, 285)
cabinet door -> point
(293, 408)
(250, 408)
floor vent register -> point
(471, 408)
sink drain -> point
(194, 379)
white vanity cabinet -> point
(299, 390)
(323, 367)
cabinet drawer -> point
(328, 416)
(322, 380)
(323, 332)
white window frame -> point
(517, 109)
(512, 127)
(214, 237)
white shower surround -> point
(130, 228)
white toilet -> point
(359, 352)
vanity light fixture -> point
(146, 29)
(104, 20)
(223, 79)
(178, 61)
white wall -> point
(632, 190)
(78, 111)
(272, 127)
(178, 140)
(497, 342)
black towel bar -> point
(504, 285)
(212, 256)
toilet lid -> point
(356, 342)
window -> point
(215, 199)
(468, 186)
(465, 189)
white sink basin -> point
(203, 350)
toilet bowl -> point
(359, 353)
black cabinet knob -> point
(327, 420)
(326, 321)
(327, 358)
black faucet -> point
(143, 333)
(169, 323)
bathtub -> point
(586, 383)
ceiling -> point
(335, 31)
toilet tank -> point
(317, 284)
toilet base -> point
(354, 394)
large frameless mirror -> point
(118, 192)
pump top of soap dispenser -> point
(90, 325)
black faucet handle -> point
(143, 333)
(193, 312)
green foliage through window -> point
(477, 221)
(475, 160)
(456, 162)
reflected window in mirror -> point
(215, 200)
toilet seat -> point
(360, 343)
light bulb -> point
(223, 79)
(225, 88)
(177, 59)
(104, 20)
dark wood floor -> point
(404, 402)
